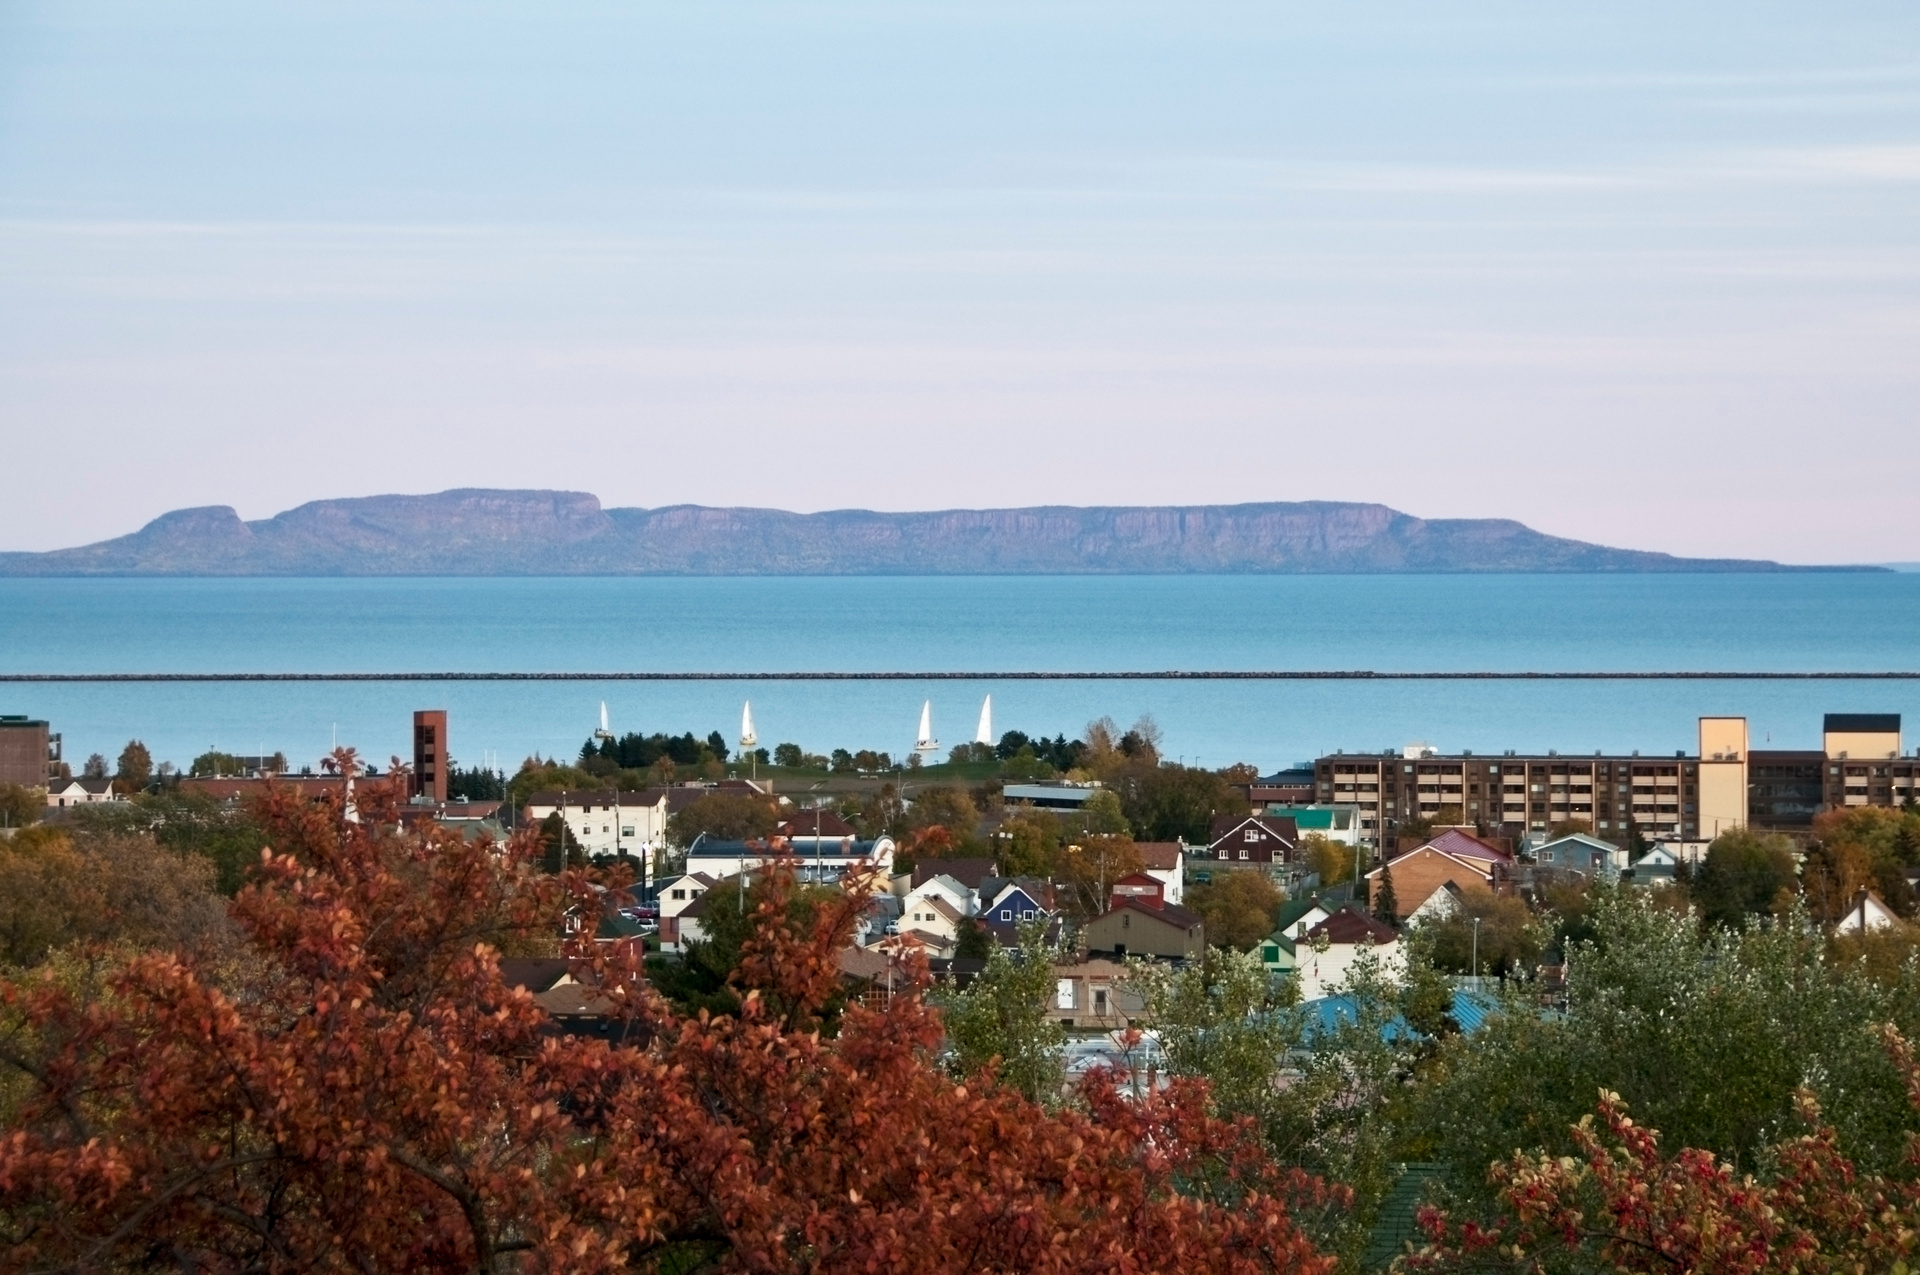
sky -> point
(1639, 273)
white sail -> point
(747, 738)
(985, 734)
(926, 743)
(604, 732)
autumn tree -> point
(1087, 868)
(1334, 861)
(378, 1100)
(135, 768)
(1241, 907)
(1027, 843)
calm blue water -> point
(1384, 623)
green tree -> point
(1166, 803)
(1004, 1019)
(950, 807)
(790, 755)
(20, 806)
(1708, 1034)
(1102, 815)
(560, 848)
(723, 816)
(1321, 1091)
(706, 976)
(1027, 844)
(1241, 907)
(212, 763)
(1745, 874)
(1509, 939)
(975, 944)
(226, 834)
(1386, 906)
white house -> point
(1165, 862)
(79, 792)
(1326, 955)
(607, 821)
(822, 861)
(676, 896)
(1865, 914)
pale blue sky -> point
(1647, 274)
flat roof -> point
(1863, 723)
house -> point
(79, 792)
(1456, 856)
(1326, 955)
(972, 873)
(1092, 995)
(1166, 861)
(1578, 852)
(931, 915)
(1252, 840)
(1663, 861)
(1866, 914)
(1139, 885)
(1338, 824)
(805, 827)
(819, 862)
(1278, 953)
(1449, 900)
(1133, 928)
(1015, 901)
(940, 885)
(605, 821)
(676, 895)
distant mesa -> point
(473, 532)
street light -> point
(1476, 948)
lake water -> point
(1747, 623)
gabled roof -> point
(535, 973)
(808, 824)
(1290, 913)
(1159, 856)
(1172, 913)
(1280, 827)
(1482, 868)
(1033, 892)
(1464, 845)
(1349, 925)
(1580, 838)
(968, 872)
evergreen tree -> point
(1385, 906)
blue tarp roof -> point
(1470, 1009)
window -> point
(1006, 914)
(1063, 993)
(1243, 852)
(1253, 835)
(1100, 1000)
(626, 831)
(1028, 915)
(679, 894)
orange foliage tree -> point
(370, 1096)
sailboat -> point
(604, 732)
(926, 743)
(748, 740)
(985, 734)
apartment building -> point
(1859, 764)
(1684, 796)
(29, 751)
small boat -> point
(926, 743)
(985, 734)
(748, 740)
(604, 732)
